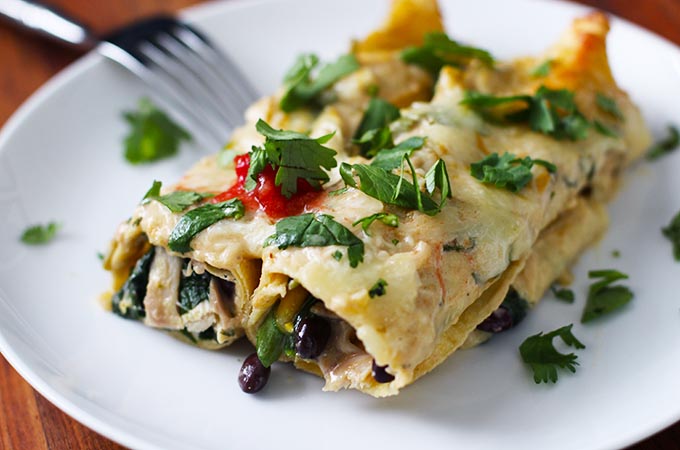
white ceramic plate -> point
(60, 159)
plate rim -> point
(194, 14)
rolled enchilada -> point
(389, 298)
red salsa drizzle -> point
(266, 195)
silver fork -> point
(188, 75)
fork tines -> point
(189, 74)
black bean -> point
(380, 374)
(511, 312)
(311, 336)
(499, 320)
(253, 376)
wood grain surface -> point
(28, 420)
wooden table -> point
(27, 420)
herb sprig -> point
(395, 190)
(153, 135)
(439, 50)
(672, 232)
(666, 145)
(549, 111)
(40, 234)
(294, 156)
(303, 89)
(507, 171)
(604, 298)
(176, 201)
(539, 352)
(374, 133)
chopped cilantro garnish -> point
(543, 70)
(391, 158)
(608, 105)
(439, 50)
(337, 255)
(374, 133)
(672, 232)
(539, 352)
(548, 111)
(507, 171)
(604, 129)
(396, 190)
(566, 295)
(197, 220)
(388, 219)
(40, 234)
(294, 156)
(176, 201)
(302, 89)
(666, 145)
(378, 289)
(603, 298)
(316, 230)
(153, 135)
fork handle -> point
(49, 22)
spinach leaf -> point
(128, 302)
(197, 220)
(193, 290)
(316, 230)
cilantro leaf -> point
(507, 171)
(666, 145)
(388, 219)
(439, 50)
(40, 234)
(198, 219)
(548, 111)
(316, 230)
(394, 189)
(438, 178)
(391, 158)
(603, 298)
(176, 201)
(539, 352)
(302, 89)
(604, 129)
(294, 156)
(153, 135)
(374, 133)
(608, 105)
(566, 295)
(378, 289)
(543, 69)
(672, 232)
